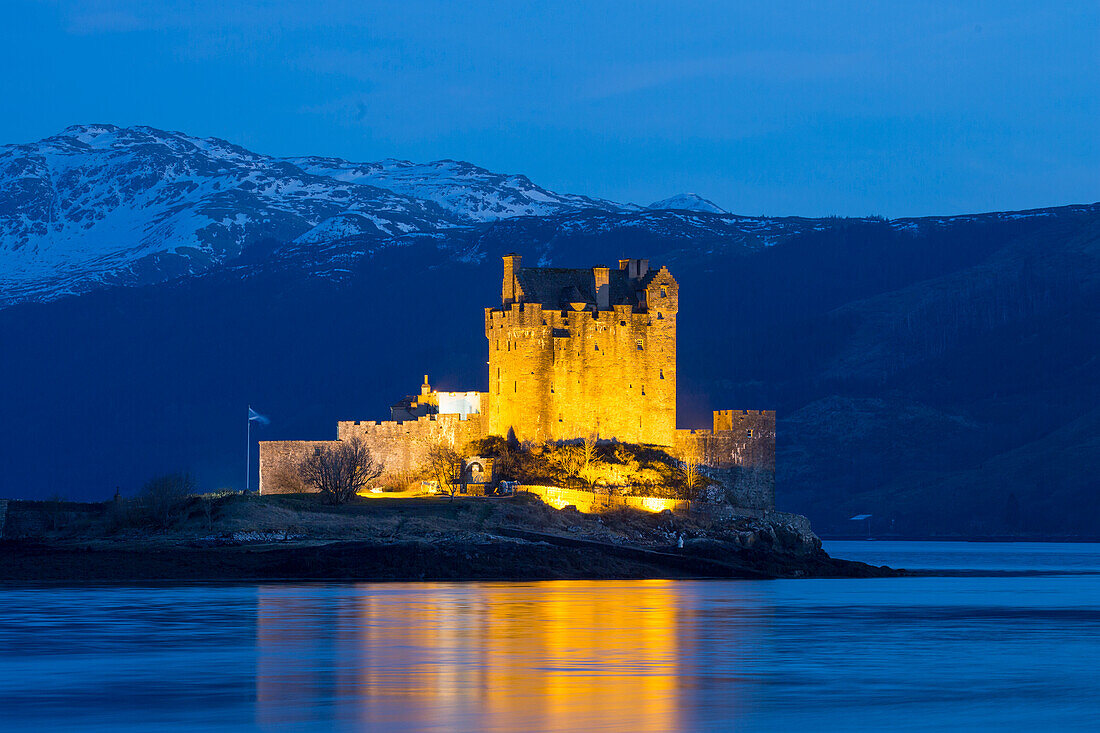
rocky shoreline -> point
(243, 538)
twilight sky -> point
(812, 108)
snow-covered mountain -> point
(100, 204)
(688, 202)
(465, 190)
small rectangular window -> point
(664, 292)
(638, 343)
(748, 433)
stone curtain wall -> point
(739, 455)
(279, 460)
(557, 375)
(403, 446)
(588, 501)
(740, 438)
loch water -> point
(1014, 645)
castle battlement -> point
(576, 351)
(572, 353)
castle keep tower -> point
(574, 352)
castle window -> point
(638, 343)
(664, 292)
(748, 433)
(597, 347)
(515, 386)
(662, 374)
(643, 390)
(622, 323)
(660, 316)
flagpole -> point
(248, 450)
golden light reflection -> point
(569, 655)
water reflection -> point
(565, 656)
(902, 654)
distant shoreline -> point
(1060, 539)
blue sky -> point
(893, 108)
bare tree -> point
(444, 464)
(162, 497)
(568, 460)
(341, 471)
(689, 470)
(590, 440)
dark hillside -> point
(940, 374)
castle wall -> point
(557, 375)
(739, 455)
(403, 446)
(589, 501)
(279, 461)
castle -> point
(572, 353)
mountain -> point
(101, 205)
(471, 193)
(939, 373)
(688, 202)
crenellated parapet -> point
(574, 352)
(571, 353)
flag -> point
(254, 416)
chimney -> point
(511, 267)
(635, 269)
(425, 388)
(602, 276)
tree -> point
(163, 497)
(340, 471)
(444, 464)
(589, 446)
(689, 470)
(567, 461)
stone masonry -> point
(572, 353)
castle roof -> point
(555, 287)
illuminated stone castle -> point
(572, 353)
